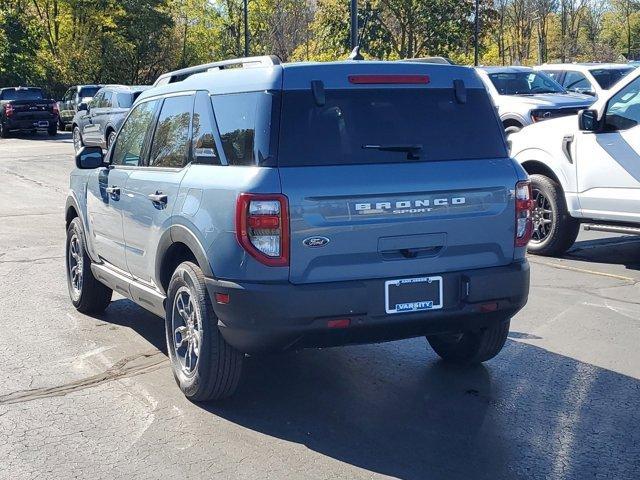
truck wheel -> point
(61, 125)
(87, 294)
(77, 139)
(471, 347)
(52, 130)
(554, 229)
(204, 365)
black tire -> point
(557, 237)
(91, 296)
(4, 131)
(473, 347)
(52, 131)
(61, 125)
(509, 129)
(218, 366)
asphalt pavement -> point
(94, 397)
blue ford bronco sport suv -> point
(260, 206)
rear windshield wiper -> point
(411, 150)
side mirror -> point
(90, 158)
(588, 120)
(83, 107)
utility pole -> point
(354, 24)
(476, 34)
(246, 28)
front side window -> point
(96, 102)
(124, 100)
(171, 139)
(577, 82)
(245, 125)
(130, 141)
(524, 83)
(69, 95)
(623, 110)
(106, 100)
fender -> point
(72, 202)
(179, 233)
(559, 169)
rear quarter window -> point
(336, 132)
(246, 126)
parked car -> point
(97, 122)
(73, 97)
(26, 109)
(285, 206)
(593, 79)
(585, 169)
(524, 96)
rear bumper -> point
(38, 123)
(272, 317)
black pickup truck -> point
(26, 109)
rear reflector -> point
(388, 79)
(222, 298)
(339, 323)
(489, 307)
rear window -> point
(22, 94)
(125, 100)
(608, 77)
(88, 92)
(378, 125)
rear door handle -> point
(113, 190)
(158, 197)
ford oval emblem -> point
(315, 242)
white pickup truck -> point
(584, 169)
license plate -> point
(408, 295)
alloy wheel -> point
(77, 140)
(542, 216)
(187, 330)
(75, 264)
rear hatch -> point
(29, 104)
(393, 179)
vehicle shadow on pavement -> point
(624, 250)
(40, 136)
(395, 409)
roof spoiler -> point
(247, 62)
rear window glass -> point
(22, 94)
(88, 92)
(245, 125)
(125, 100)
(608, 77)
(387, 125)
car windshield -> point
(524, 83)
(387, 125)
(88, 92)
(22, 94)
(608, 77)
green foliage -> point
(56, 43)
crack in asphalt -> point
(32, 180)
(117, 371)
(29, 260)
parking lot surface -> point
(93, 397)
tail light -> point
(8, 109)
(262, 227)
(524, 205)
(55, 109)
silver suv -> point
(524, 96)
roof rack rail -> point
(246, 62)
